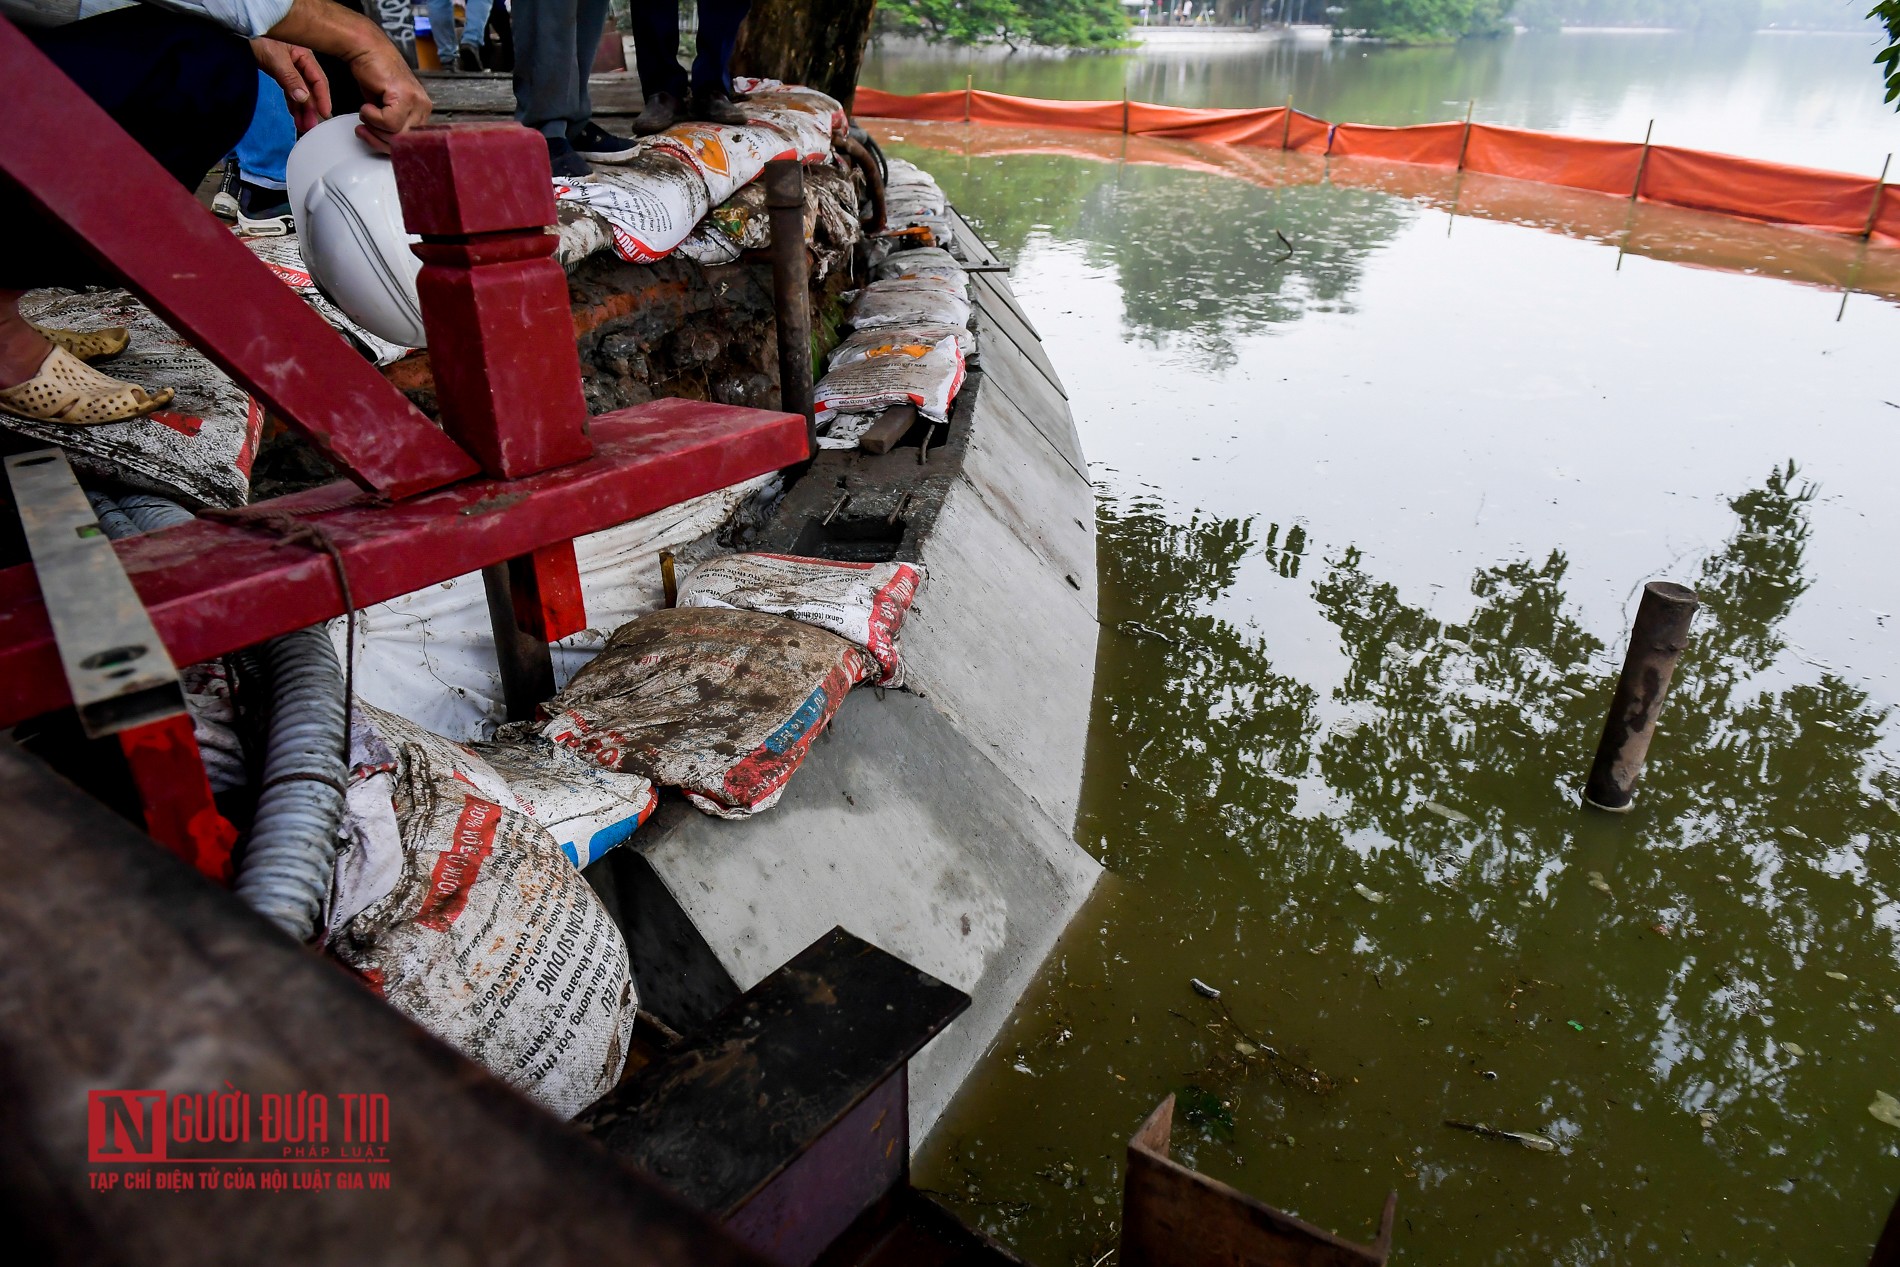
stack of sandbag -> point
(912, 200)
(909, 342)
(722, 696)
(457, 906)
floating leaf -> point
(1445, 812)
(1838, 976)
(1371, 895)
(1885, 1109)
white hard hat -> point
(349, 224)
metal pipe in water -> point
(1656, 643)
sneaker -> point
(263, 213)
(716, 107)
(224, 203)
(662, 112)
(468, 60)
(564, 162)
(598, 145)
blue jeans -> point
(555, 42)
(442, 26)
(267, 141)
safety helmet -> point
(349, 224)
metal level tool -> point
(117, 669)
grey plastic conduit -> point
(287, 869)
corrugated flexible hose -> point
(286, 871)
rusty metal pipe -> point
(791, 290)
(1656, 643)
(873, 180)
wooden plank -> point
(1176, 1217)
(122, 969)
(1009, 324)
(215, 587)
(719, 1120)
(80, 168)
(493, 92)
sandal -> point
(70, 392)
(88, 345)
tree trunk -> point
(819, 43)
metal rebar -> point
(791, 290)
(1656, 643)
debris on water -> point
(1885, 1109)
(1445, 812)
(1794, 1049)
(1201, 1107)
(1598, 883)
(1490, 1075)
(1707, 1119)
(1283, 242)
(1246, 1048)
(1576, 1025)
(1838, 976)
(1456, 645)
(1536, 1143)
(1796, 832)
(1139, 630)
(1203, 989)
(1371, 895)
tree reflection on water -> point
(1676, 1016)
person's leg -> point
(656, 47)
(718, 32)
(265, 146)
(590, 22)
(547, 92)
(442, 31)
(475, 22)
(183, 88)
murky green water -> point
(1373, 518)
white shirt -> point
(249, 18)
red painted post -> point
(494, 302)
(169, 772)
(501, 346)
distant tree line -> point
(1015, 23)
(1695, 15)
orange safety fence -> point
(1427, 144)
(1655, 230)
(1770, 192)
(1607, 167)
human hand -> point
(393, 98)
(306, 88)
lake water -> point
(1375, 507)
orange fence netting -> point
(1771, 192)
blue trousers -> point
(267, 141)
(656, 43)
(442, 26)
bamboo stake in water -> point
(1286, 127)
(1465, 144)
(1642, 164)
(1880, 187)
(969, 91)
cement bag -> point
(863, 603)
(907, 303)
(487, 936)
(198, 448)
(929, 263)
(726, 157)
(586, 809)
(872, 341)
(923, 375)
(809, 117)
(650, 204)
(721, 704)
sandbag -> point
(923, 375)
(870, 341)
(928, 263)
(907, 303)
(586, 809)
(726, 157)
(459, 910)
(651, 204)
(721, 704)
(283, 255)
(864, 603)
